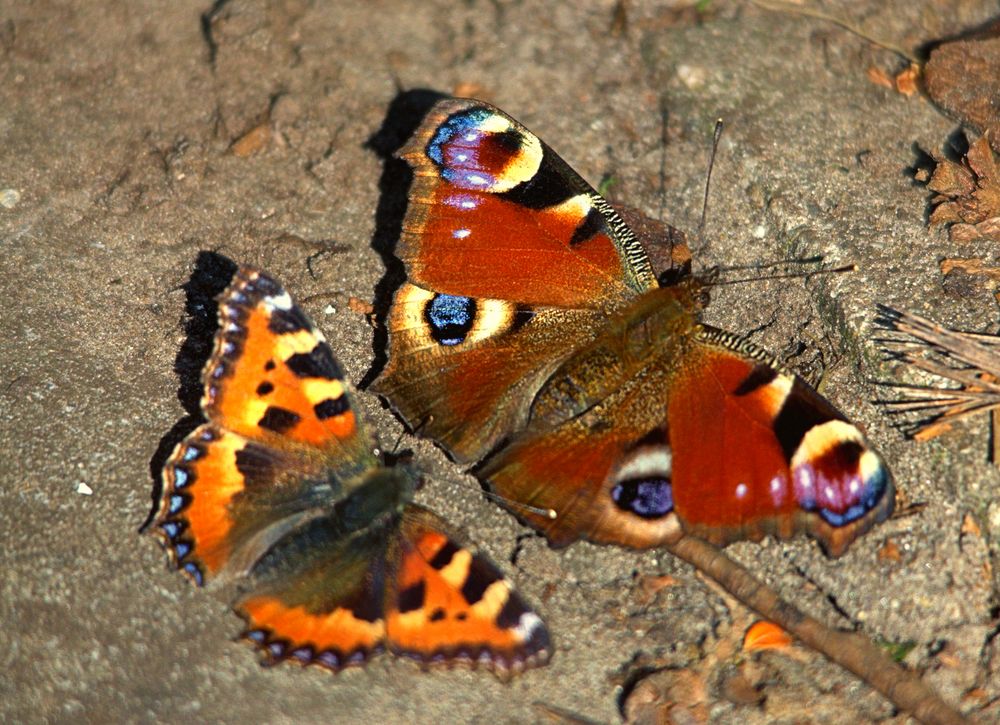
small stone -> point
(84, 489)
(9, 198)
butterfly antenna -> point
(518, 506)
(805, 274)
(708, 183)
(664, 125)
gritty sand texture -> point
(116, 171)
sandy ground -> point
(116, 171)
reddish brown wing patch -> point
(494, 213)
(756, 451)
(583, 475)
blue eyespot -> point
(450, 318)
(456, 146)
(649, 498)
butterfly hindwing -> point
(226, 498)
(317, 597)
(450, 603)
(802, 466)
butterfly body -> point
(282, 492)
(533, 339)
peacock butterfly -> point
(533, 339)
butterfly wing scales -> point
(317, 596)
(469, 391)
(495, 214)
(449, 603)
(236, 484)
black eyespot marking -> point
(317, 363)
(269, 365)
(437, 615)
(265, 388)
(591, 226)
(331, 407)
(450, 318)
(510, 140)
(649, 498)
(462, 616)
(278, 419)
(444, 556)
(478, 582)
(412, 598)
(760, 376)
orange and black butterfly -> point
(282, 490)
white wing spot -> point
(281, 302)
(528, 624)
(741, 490)
(461, 233)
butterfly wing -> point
(512, 259)
(718, 442)
(449, 603)
(280, 419)
(319, 597)
(463, 371)
(757, 451)
(494, 213)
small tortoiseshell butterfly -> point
(533, 338)
(283, 488)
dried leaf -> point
(967, 194)
(764, 635)
(889, 552)
(970, 527)
(253, 141)
(359, 306)
(650, 584)
(906, 80)
(963, 78)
